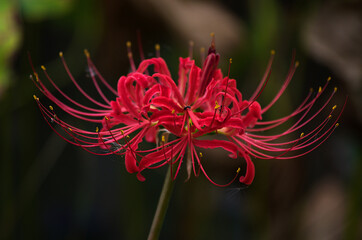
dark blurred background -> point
(53, 190)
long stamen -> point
(110, 132)
(92, 75)
(207, 176)
(139, 42)
(212, 45)
(217, 106)
(96, 72)
(202, 55)
(266, 74)
(106, 145)
(255, 98)
(292, 68)
(71, 110)
(157, 49)
(191, 49)
(75, 83)
(49, 114)
(226, 87)
(130, 55)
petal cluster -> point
(148, 105)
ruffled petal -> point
(158, 63)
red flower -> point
(203, 102)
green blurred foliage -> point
(38, 10)
(10, 39)
(11, 14)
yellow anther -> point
(272, 52)
(337, 124)
(70, 129)
(86, 53)
(212, 34)
(296, 63)
(301, 135)
(334, 107)
(122, 132)
(105, 117)
(202, 50)
(230, 60)
(173, 111)
(128, 137)
(128, 44)
(320, 89)
(60, 54)
(36, 77)
(42, 67)
(35, 97)
(163, 139)
(329, 79)
(51, 108)
(157, 47)
(330, 116)
(335, 89)
(216, 105)
(200, 154)
(237, 171)
(97, 129)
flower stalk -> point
(162, 206)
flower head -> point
(149, 105)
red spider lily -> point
(203, 102)
(203, 115)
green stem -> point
(161, 207)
